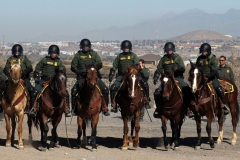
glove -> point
(155, 79)
(111, 75)
(37, 79)
(175, 67)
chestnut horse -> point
(208, 104)
(171, 107)
(130, 100)
(89, 104)
(51, 103)
(14, 101)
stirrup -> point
(31, 113)
(226, 110)
(106, 113)
(147, 105)
(156, 114)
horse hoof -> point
(51, 149)
(130, 144)
(219, 141)
(173, 146)
(57, 146)
(233, 143)
(197, 147)
(8, 145)
(21, 147)
(167, 147)
(124, 148)
(42, 149)
(176, 149)
(94, 150)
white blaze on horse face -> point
(133, 83)
(165, 79)
(195, 72)
(92, 69)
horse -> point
(50, 104)
(89, 104)
(15, 99)
(206, 103)
(130, 100)
(171, 107)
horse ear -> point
(12, 63)
(128, 67)
(192, 64)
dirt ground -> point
(109, 139)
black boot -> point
(68, 104)
(156, 113)
(220, 93)
(74, 104)
(145, 86)
(105, 93)
(114, 109)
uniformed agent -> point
(225, 71)
(209, 65)
(3, 78)
(144, 76)
(168, 63)
(87, 56)
(26, 67)
(45, 71)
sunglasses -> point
(221, 60)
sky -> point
(28, 19)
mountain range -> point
(167, 26)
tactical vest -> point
(167, 63)
(84, 58)
(204, 64)
(18, 60)
(124, 61)
(49, 67)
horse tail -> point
(237, 112)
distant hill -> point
(200, 35)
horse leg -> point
(198, 124)
(94, 132)
(79, 122)
(209, 129)
(172, 127)
(20, 121)
(125, 132)
(234, 115)
(176, 132)
(132, 130)
(13, 119)
(220, 130)
(44, 131)
(164, 130)
(29, 122)
(8, 129)
(84, 140)
(137, 129)
(54, 141)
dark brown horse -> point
(130, 100)
(208, 104)
(89, 106)
(171, 107)
(51, 105)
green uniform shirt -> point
(49, 66)
(208, 64)
(145, 73)
(226, 72)
(25, 63)
(2, 76)
(167, 62)
(81, 59)
(122, 61)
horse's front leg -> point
(20, 121)
(29, 122)
(137, 129)
(164, 130)
(233, 107)
(209, 129)
(94, 131)
(8, 129)
(132, 131)
(44, 130)
(13, 119)
(176, 128)
(54, 141)
(220, 130)
(172, 124)
(125, 132)
(80, 123)
(198, 124)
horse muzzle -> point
(15, 80)
(132, 96)
(165, 98)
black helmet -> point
(85, 42)
(126, 44)
(169, 46)
(205, 47)
(53, 49)
(17, 48)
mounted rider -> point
(209, 66)
(45, 71)
(121, 63)
(26, 67)
(86, 56)
(168, 63)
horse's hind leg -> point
(164, 130)
(79, 122)
(198, 123)
(94, 132)
(209, 129)
(220, 130)
(8, 129)
(20, 121)
(132, 130)
(234, 114)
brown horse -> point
(14, 101)
(51, 104)
(208, 104)
(89, 104)
(130, 100)
(171, 107)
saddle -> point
(227, 87)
